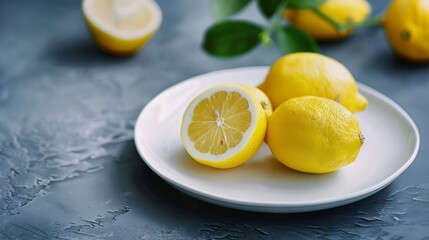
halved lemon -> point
(224, 126)
(122, 27)
(263, 100)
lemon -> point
(224, 126)
(314, 135)
(341, 11)
(262, 99)
(406, 25)
(122, 27)
(302, 74)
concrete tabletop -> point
(69, 168)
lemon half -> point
(224, 126)
(122, 27)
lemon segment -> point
(122, 27)
(224, 126)
(341, 11)
(312, 74)
(314, 135)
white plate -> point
(262, 184)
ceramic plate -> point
(262, 184)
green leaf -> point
(226, 8)
(268, 7)
(295, 4)
(292, 39)
(231, 38)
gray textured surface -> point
(68, 165)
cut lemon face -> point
(224, 126)
(122, 27)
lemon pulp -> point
(218, 122)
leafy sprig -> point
(229, 38)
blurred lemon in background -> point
(122, 27)
(407, 28)
(341, 11)
(314, 135)
(312, 74)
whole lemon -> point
(314, 135)
(407, 29)
(302, 74)
(341, 11)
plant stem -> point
(274, 24)
(328, 19)
(343, 27)
(369, 22)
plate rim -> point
(276, 206)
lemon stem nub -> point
(405, 35)
(361, 138)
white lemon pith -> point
(224, 126)
(122, 27)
